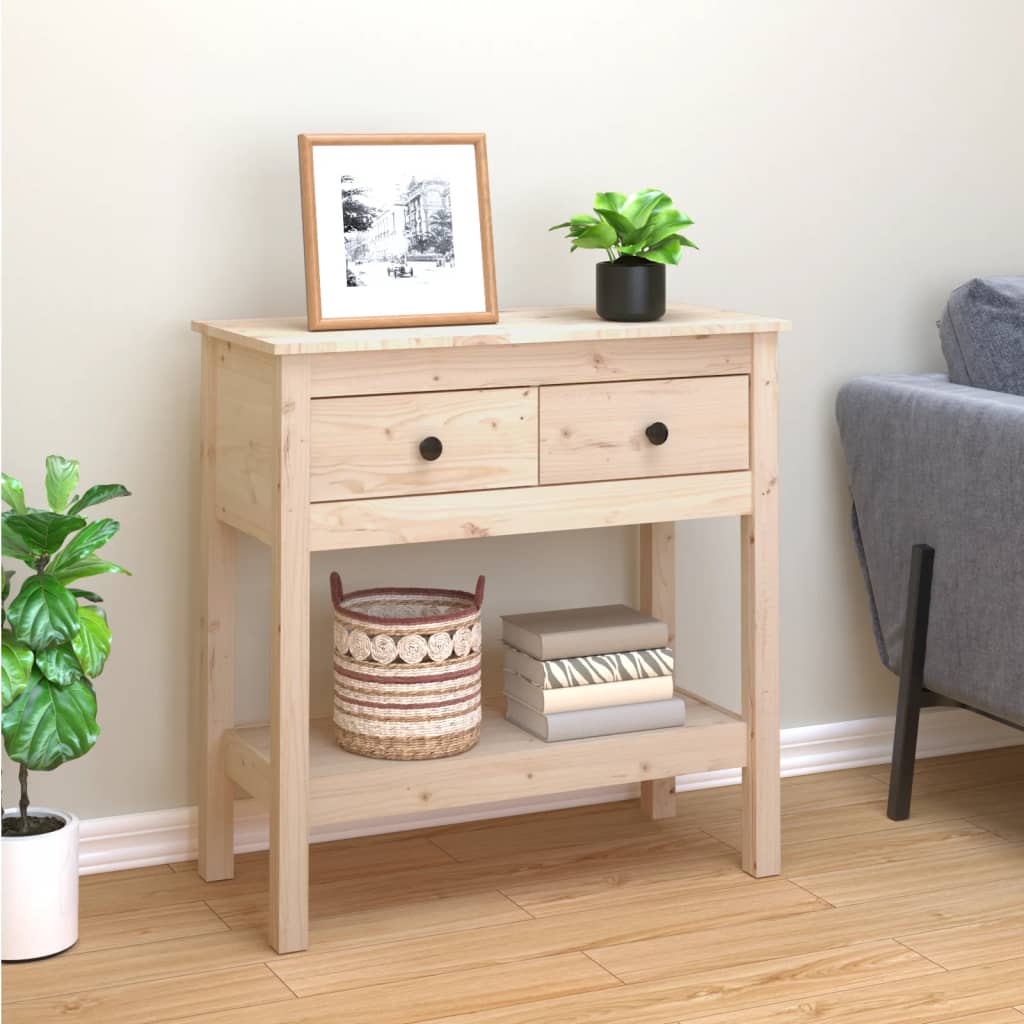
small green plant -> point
(55, 637)
(644, 225)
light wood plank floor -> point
(590, 916)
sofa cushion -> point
(982, 332)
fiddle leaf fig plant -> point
(55, 637)
(644, 225)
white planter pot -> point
(40, 890)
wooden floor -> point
(590, 916)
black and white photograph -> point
(396, 231)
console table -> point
(550, 419)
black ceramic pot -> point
(631, 289)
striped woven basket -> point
(406, 671)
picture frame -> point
(396, 230)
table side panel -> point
(418, 518)
(490, 366)
(244, 488)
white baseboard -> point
(163, 837)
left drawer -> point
(426, 443)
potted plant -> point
(55, 643)
(640, 233)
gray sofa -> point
(936, 472)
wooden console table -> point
(311, 442)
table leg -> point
(760, 621)
(657, 597)
(217, 646)
(289, 696)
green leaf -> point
(48, 725)
(667, 252)
(609, 202)
(92, 641)
(84, 543)
(555, 227)
(44, 613)
(624, 229)
(98, 494)
(600, 236)
(8, 573)
(61, 481)
(86, 595)
(580, 223)
(15, 547)
(17, 666)
(608, 206)
(60, 664)
(663, 224)
(90, 565)
(13, 493)
(640, 206)
(41, 533)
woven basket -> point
(406, 671)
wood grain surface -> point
(594, 915)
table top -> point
(285, 336)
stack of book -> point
(589, 672)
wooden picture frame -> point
(365, 243)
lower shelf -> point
(507, 764)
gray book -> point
(575, 725)
(576, 632)
(560, 673)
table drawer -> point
(646, 428)
(425, 443)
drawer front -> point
(643, 428)
(385, 445)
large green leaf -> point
(41, 533)
(609, 202)
(662, 225)
(84, 543)
(13, 493)
(86, 595)
(667, 251)
(43, 613)
(640, 206)
(61, 481)
(15, 547)
(92, 641)
(599, 236)
(98, 494)
(60, 664)
(90, 565)
(608, 206)
(48, 725)
(17, 666)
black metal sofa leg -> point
(908, 709)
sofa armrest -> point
(942, 464)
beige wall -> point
(847, 163)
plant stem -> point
(611, 255)
(23, 802)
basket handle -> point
(337, 593)
(478, 596)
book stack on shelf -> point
(589, 672)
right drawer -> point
(647, 428)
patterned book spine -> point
(596, 668)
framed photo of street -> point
(396, 230)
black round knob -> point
(431, 448)
(657, 433)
